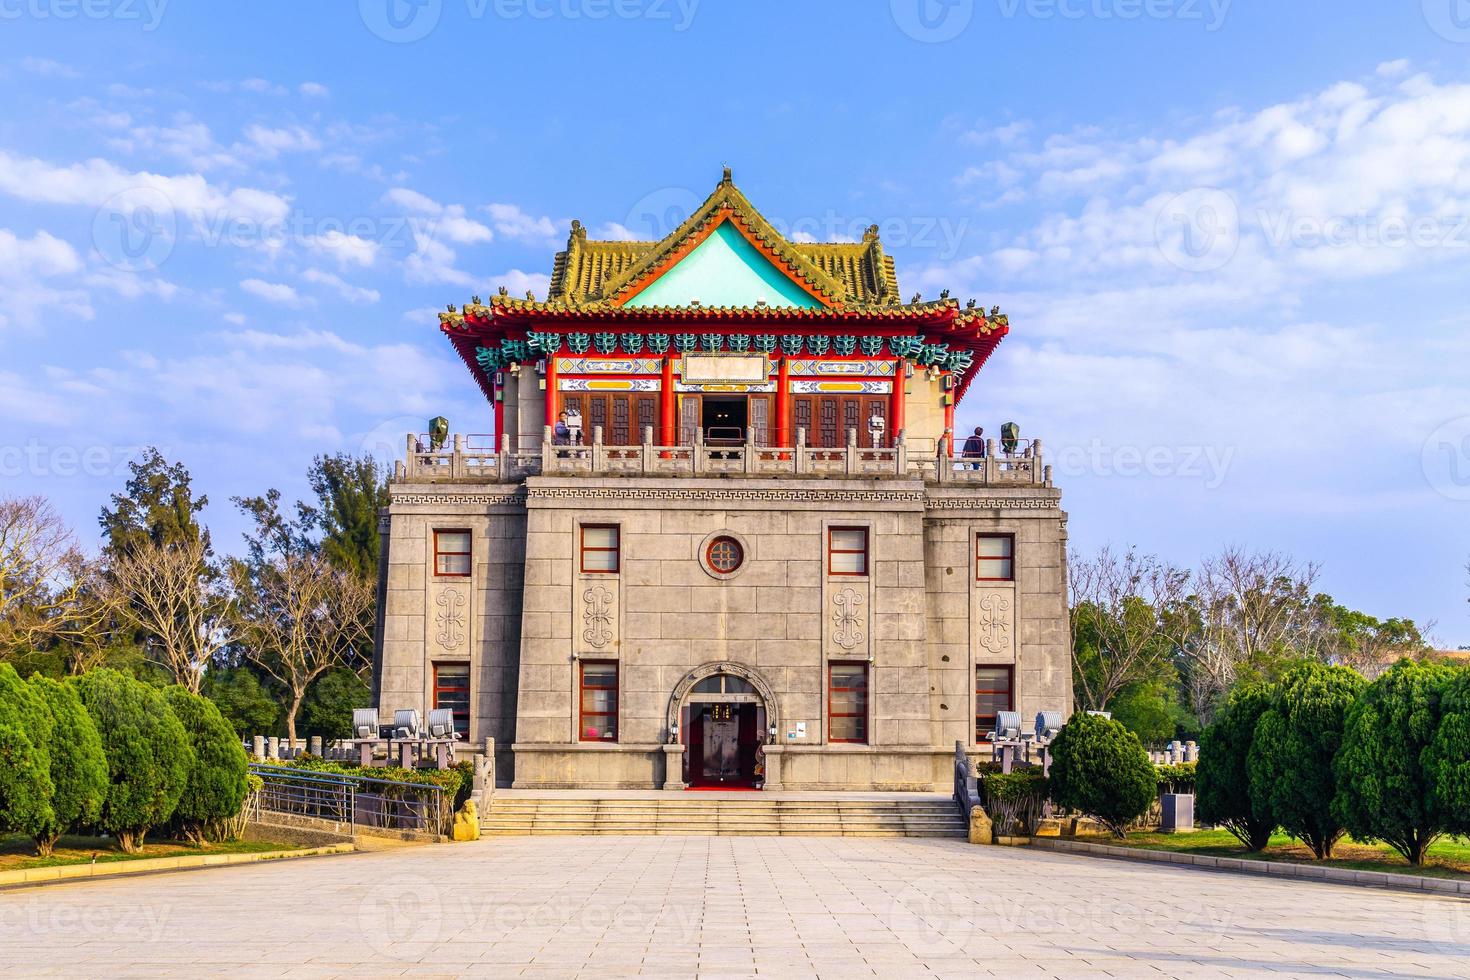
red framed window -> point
(847, 702)
(598, 715)
(724, 555)
(452, 691)
(995, 557)
(452, 554)
(994, 693)
(847, 551)
(601, 552)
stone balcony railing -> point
(459, 460)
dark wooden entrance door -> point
(722, 743)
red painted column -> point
(895, 411)
(551, 392)
(784, 436)
(497, 392)
(668, 434)
(949, 425)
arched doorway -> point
(721, 713)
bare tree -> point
(302, 618)
(165, 591)
(39, 558)
(1248, 607)
(1121, 606)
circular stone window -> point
(724, 556)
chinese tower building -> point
(723, 532)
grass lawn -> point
(1449, 858)
(19, 853)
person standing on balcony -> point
(975, 448)
(562, 434)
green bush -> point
(1292, 752)
(1223, 789)
(327, 710)
(1144, 708)
(1447, 758)
(1384, 771)
(1179, 777)
(1099, 768)
(246, 704)
(148, 754)
(1015, 800)
(216, 785)
(78, 763)
(26, 789)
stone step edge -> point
(1274, 869)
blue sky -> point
(1231, 236)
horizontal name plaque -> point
(724, 368)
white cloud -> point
(130, 285)
(512, 222)
(25, 265)
(412, 200)
(97, 183)
(186, 139)
(518, 283)
(346, 249)
(433, 262)
(290, 139)
(614, 232)
(38, 257)
(315, 90)
(449, 220)
(47, 68)
(271, 292)
(262, 87)
(347, 291)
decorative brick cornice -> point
(992, 503)
(498, 498)
(764, 495)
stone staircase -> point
(753, 814)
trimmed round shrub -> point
(1384, 774)
(25, 762)
(1101, 769)
(148, 754)
(216, 786)
(1447, 758)
(1292, 752)
(78, 764)
(1223, 776)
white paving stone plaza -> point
(727, 906)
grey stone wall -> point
(919, 617)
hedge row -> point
(108, 752)
(1324, 753)
(1098, 768)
